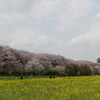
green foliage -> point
(98, 60)
(21, 70)
(50, 72)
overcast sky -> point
(66, 27)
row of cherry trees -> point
(19, 61)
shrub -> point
(51, 73)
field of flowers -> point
(67, 88)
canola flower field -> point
(67, 88)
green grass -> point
(67, 88)
(18, 77)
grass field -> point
(67, 88)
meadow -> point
(35, 88)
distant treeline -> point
(14, 62)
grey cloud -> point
(21, 26)
(11, 6)
(87, 46)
